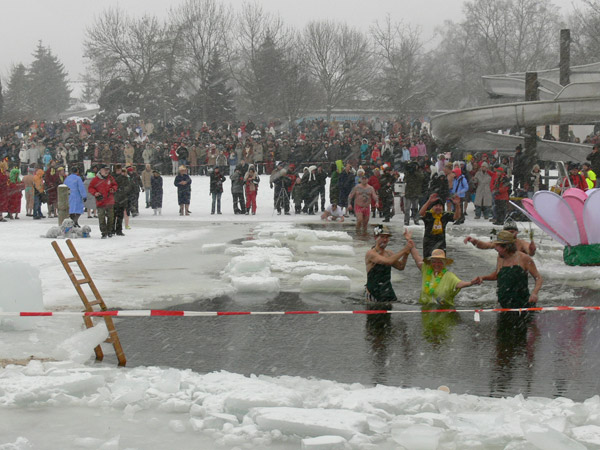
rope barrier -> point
(169, 313)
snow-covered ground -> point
(61, 399)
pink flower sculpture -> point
(573, 220)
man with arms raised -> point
(379, 262)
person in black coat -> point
(345, 183)
(184, 190)
(321, 176)
(216, 189)
(237, 191)
(156, 192)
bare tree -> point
(128, 48)
(338, 57)
(401, 81)
(513, 35)
(496, 37)
(585, 24)
(203, 26)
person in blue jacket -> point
(77, 194)
(460, 188)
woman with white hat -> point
(439, 286)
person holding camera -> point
(103, 188)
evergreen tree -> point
(48, 86)
(219, 96)
(268, 73)
(17, 95)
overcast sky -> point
(61, 24)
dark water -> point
(543, 354)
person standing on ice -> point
(184, 190)
(216, 189)
(360, 199)
(103, 186)
(379, 262)
(156, 192)
(251, 181)
(77, 194)
(512, 273)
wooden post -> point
(531, 95)
(565, 72)
(63, 203)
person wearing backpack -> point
(460, 188)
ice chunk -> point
(21, 291)
(340, 236)
(546, 438)
(332, 250)
(325, 283)
(417, 437)
(262, 243)
(177, 426)
(324, 443)
(588, 434)
(214, 248)
(20, 444)
(301, 268)
(311, 422)
(241, 265)
(255, 284)
(278, 253)
(170, 381)
(80, 346)
(111, 444)
(257, 395)
(217, 420)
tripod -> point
(282, 199)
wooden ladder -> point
(113, 337)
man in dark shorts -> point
(379, 262)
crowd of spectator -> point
(397, 156)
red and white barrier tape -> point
(168, 313)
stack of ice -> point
(254, 412)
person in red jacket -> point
(500, 185)
(576, 179)
(103, 188)
(374, 181)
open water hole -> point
(547, 354)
